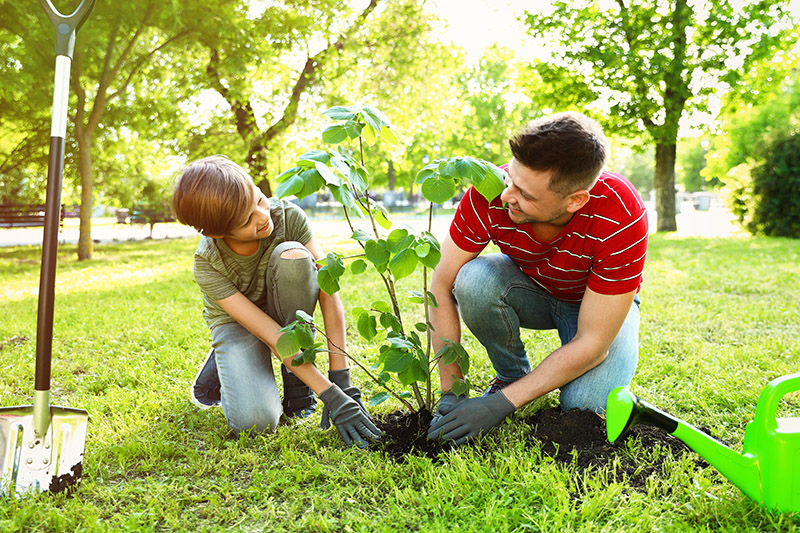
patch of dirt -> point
(561, 434)
(406, 434)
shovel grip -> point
(767, 408)
(67, 26)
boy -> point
(255, 266)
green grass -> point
(719, 320)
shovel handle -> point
(767, 407)
(67, 26)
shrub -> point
(769, 203)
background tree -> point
(653, 62)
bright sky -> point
(477, 24)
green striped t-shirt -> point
(220, 272)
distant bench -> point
(25, 215)
(144, 215)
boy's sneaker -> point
(298, 398)
(205, 390)
(495, 385)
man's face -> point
(528, 197)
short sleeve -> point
(470, 226)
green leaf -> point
(377, 253)
(379, 398)
(492, 184)
(432, 300)
(334, 134)
(345, 197)
(372, 121)
(432, 258)
(381, 306)
(389, 321)
(377, 115)
(303, 316)
(368, 134)
(403, 264)
(327, 283)
(287, 345)
(290, 187)
(340, 113)
(287, 173)
(304, 335)
(398, 239)
(459, 387)
(422, 249)
(367, 326)
(359, 178)
(438, 190)
(388, 135)
(334, 264)
(358, 266)
(420, 326)
(314, 155)
(361, 235)
(327, 174)
(353, 129)
(382, 216)
(416, 297)
(397, 360)
(427, 172)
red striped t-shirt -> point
(603, 246)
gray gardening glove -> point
(446, 404)
(352, 422)
(342, 379)
(471, 418)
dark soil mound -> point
(563, 435)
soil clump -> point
(569, 436)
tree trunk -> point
(391, 175)
(85, 245)
(665, 186)
(257, 166)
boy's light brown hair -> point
(213, 195)
(570, 145)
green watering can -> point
(767, 470)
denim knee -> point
(476, 287)
(291, 282)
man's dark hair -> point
(569, 145)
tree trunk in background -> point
(665, 187)
(391, 175)
(85, 244)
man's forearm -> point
(567, 363)
(446, 325)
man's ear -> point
(577, 200)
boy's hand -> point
(352, 422)
(471, 418)
(342, 379)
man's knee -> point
(263, 422)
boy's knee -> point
(263, 423)
(295, 253)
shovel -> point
(42, 445)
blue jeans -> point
(249, 393)
(496, 299)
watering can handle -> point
(67, 26)
(767, 407)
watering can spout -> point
(624, 410)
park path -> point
(717, 221)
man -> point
(573, 240)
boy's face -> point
(258, 223)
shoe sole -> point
(198, 403)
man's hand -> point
(342, 379)
(446, 404)
(470, 418)
(352, 422)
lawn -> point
(720, 318)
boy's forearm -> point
(309, 375)
(333, 319)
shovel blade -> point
(53, 463)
